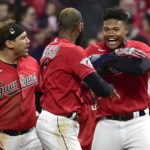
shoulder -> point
(29, 60)
(98, 48)
(137, 44)
(74, 49)
(95, 46)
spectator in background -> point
(38, 6)
(49, 19)
(134, 33)
(41, 41)
(146, 25)
(4, 11)
(26, 16)
(143, 6)
(131, 7)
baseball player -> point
(63, 66)
(19, 79)
(123, 124)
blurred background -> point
(39, 19)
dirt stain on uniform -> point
(61, 132)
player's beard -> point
(79, 38)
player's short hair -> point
(116, 13)
(69, 18)
(4, 31)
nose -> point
(110, 33)
(28, 40)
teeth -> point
(111, 39)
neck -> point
(8, 56)
(71, 36)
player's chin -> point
(112, 47)
(25, 54)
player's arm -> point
(131, 65)
(137, 64)
(82, 67)
(99, 86)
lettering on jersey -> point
(50, 51)
(28, 81)
(45, 63)
(9, 89)
(86, 62)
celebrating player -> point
(63, 66)
(122, 124)
(19, 78)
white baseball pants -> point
(122, 135)
(27, 141)
(57, 132)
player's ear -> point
(80, 27)
(9, 44)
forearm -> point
(132, 65)
(98, 85)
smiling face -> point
(114, 33)
(21, 45)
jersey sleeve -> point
(79, 63)
(143, 47)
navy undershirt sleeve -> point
(132, 65)
(98, 85)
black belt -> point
(126, 117)
(15, 133)
(73, 116)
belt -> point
(127, 117)
(73, 116)
(15, 133)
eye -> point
(23, 37)
(116, 29)
(106, 29)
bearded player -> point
(19, 79)
(122, 124)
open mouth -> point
(112, 41)
(27, 49)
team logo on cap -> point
(12, 31)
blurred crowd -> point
(39, 19)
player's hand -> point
(114, 94)
(122, 52)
